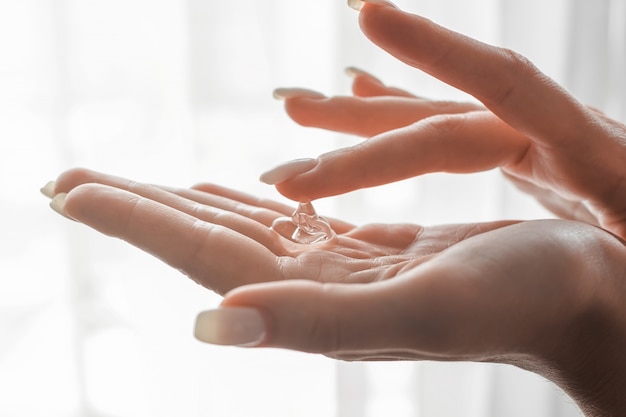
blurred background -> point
(179, 91)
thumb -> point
(333, 319)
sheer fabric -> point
(177, 92)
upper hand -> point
(570, 157)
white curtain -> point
(177, 92)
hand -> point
(546, 296)
(570, 157)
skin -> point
(546, 295)
(569, 156)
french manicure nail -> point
(233, 326)
(285, 93)
(48, 189)
(288, 170)
(358, 4)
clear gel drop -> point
(304, 226)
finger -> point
(209, 197)
(412, 318)
(310, 317)
(260, 210)
(339, 226)
(507, 83)
(263, 211)
(560, 206)
(215, 256)
(253, 222)
(242, 198)
(369, 116)
(365, 84)
(462, 143)
(263, 215)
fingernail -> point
(58, 204)
(354, 72)
(285, 93)
(233, 326)
(358, 4)
(288, 170)
(48, 189)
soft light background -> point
(177, 92)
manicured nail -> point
(233, 326)
(288, 170)
(48, 189)
(358, 4)
(354, 72)
(285, 93)
(58, 204)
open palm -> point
(222, 238)
(472, 291)
(542, 295)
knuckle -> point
(440, 131)
(325, 335)
(515, 71)
(325, 332)
(515, 59)
(444, 127)
(447, 124)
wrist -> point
(587, 356)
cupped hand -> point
(223, 239)
(569, 156)
(542, 295)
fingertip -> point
(288, 170)
(86, 202)
(79, 201)
(370, 17)
(291, 314)
(336, 172)
(308, 112)
(354, 73)
(411, 38)
(74, 177)
(365, 85)
(293, 190)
